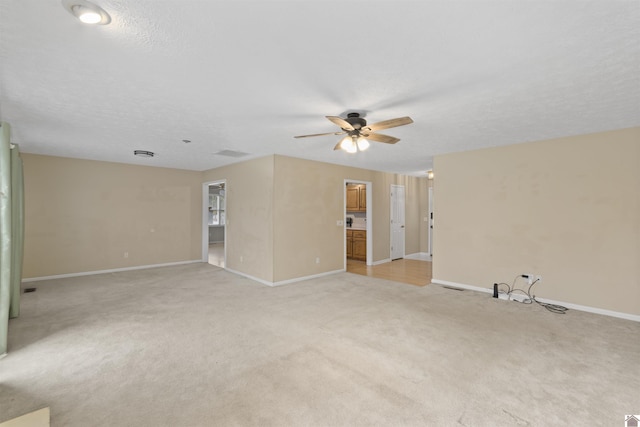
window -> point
(216, 209)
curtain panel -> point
(11, 232)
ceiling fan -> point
(358, 132)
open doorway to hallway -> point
(214, 225)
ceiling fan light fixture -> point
(363, 144)
(87, 12)
(351, 146)
(346, 143)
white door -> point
(397, 221)
(430, 219)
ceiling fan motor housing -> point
(356, 121)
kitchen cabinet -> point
(363, 198)
(356, 198)
(357, 244)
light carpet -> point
(195, 345)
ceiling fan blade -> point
(381, 138)
(319, 134)
(392, 123)
(338, 146)
(340, 122)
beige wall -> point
(83, 215)
(567, 209)
(249, 213)
(300, 202)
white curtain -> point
(11, 232)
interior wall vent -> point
(27, 290)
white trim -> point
(205, 219)
(313, 276)
(382, 261)
(430, 221)
(248, 276)
(113, 270)
(393, 199)
(462, 286)
(422, 256)
(284, 282)
(620, 315)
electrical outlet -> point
(339, 223)
(318, 260)
(125, 255)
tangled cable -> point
(554, 308)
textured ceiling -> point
(248, 76)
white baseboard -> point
(284, 282)
(382, 261)
(113, 270)
(461, 286)
(626, 316)
(313, 276)
(421, 256)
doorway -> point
(214, 229)
(358, 209)
(397, 221)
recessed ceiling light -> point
(143, 153)
(87, 12)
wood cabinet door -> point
(353, 198)
(363, 198)
(360, 249)
(349, 244)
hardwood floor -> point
(411, 271)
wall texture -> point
(249, 213)
(83, 215)
(567, 209)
